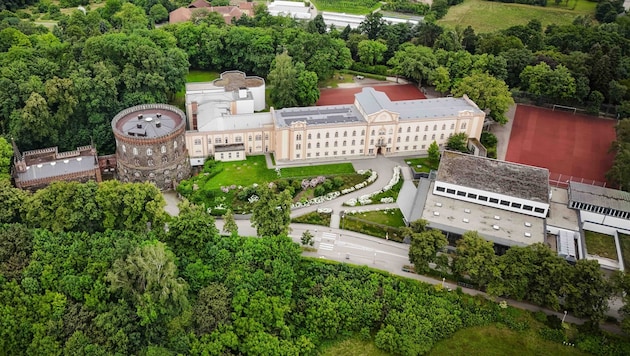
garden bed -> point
(387, 223)
(313, 218)
(601, 245)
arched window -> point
(344, 143)
(149, 152)
(135, 151)
(319, 135)
(345, 134)
(417, 128)
(373, 132)
(327, 134)
(336, 143)
(174, 144)
(317, 145)
(409, 129)
(362, 132)
(400, 130)
(354, 133)
(309, 136)
(298, 137)
(336, 134)
(326, 144)
(163, 149)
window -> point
(371, 141)
(309, 136)
(482, 198)
(406, 148)
(539, 210)
(391, 131)
(452, 126)
(407, 139)
(354, 133)
(472, 196)
(344, 143)
(434, 127)
(135, 151)
(317, 145)
(197, 141)
(327, 134)
(362, 132)
(345, 134)
(351, 152)
(298, 146)
(461, 194)
(150, 162)
(409, 129)
(415, 138)
(463, 126)
(389, 140)
(266, 136)
(373, 132)
(326, 145)
(353, 142)
(398, 139)
(124, 148)
(298, 137)
(238, 154)
(426, 128)
(441, 136)
(250, 138)
(505, 203)
(258, 137)
(440, 189)
(221, 155)
(309, 145)
(423, 147)
(319, 135)
(362, 141)
(326, 153)
(361, 151)
(433, 137)
(450, 191)
(229, 154)
(343, 152)
(400, 130)
(336, 144)
(443, 126)
(238, 139)
(316, 154)
(371, 151)
(217, 140)
(516, 205)
(150, 151)
(297, 155)
(494, 200)
(308, 155)
(336, 134)
(163, 149)
(424, 138)
(417, 128)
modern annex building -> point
(505, 202)
(150, 145)
(372, 125)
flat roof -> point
(237, 122)
(501, 177)
(148, 121)
(58, 168)
(511, 226)
(373, 101)
(599, 196)
(318, 115)
(560, 215)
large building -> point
(36, 169)
(150, 145)
(372, 125)
(505, 202)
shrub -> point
(319, 191)
(555, 335)
(337, 181)
(541, 317)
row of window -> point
(381, 132)
(600, 210)
(298, 146)
(149, 150)
(229, 155)
(334, 153)
(490, 199)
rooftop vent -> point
(528, 224)
(465, 220)
(39, 165)
(140, 117)
(436, 213)
(496, 227)
(53, 163)
(158, 124)
(527, 234)
(497, 217)
(139, 126)
(79, 159)
(467, 211)
(66, 160)
(158, 115)
(438, 204)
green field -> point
(421, 164)
(195, 76)
(487, 16)
(600, 244)
(317, 170)
(358, 7)
(390, 217)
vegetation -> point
(624, 242)
(358, 7)
(392, 193)
(488, 16)
(313, 218)
(379, 223)
(600, 244)
(422, 164)
(292, 84)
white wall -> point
(587, 216)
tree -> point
(371, 52)
(621, 285)
(148, 277)
(415, 62)
(543, 81)
(229, 224)
(212, 308)
(440, 8)
(475, 257)
(434, 152)
(307, 91)
(307, 238)
(458, 142)
(16, 246)
(13, 201)
(158, 13)
(424, 248)
(488, 93)
(282, 78)
(317, 25)
(131, 17)
(619, 173)
(6, 153)
(190, 233)
(373, 25)
(272, 212)
(588, 291)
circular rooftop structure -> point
(148, 121)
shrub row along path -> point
(352, 247)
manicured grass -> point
(253, 170)
(195, 76)
(499, 340)
(313, 218)
(390, 217)
(624, 242)
(382, 223)
(600, 244)
(488, 16)
(335, 80)
(322, 169)
(421, 164)
(358, 7)
(352, 347)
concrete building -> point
(150, 145)
(372, 125)
(504, 202)
(340, 20)
(294, 9)
(36, 169)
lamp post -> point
(565, 315)
(443, 279)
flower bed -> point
(368, 198)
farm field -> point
(488, 16)
(357, 7)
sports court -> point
(563, 142)
(339, 96)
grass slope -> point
(488, 16)
(494, 340)
(352, 347)
(600, 244)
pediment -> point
(383, 116)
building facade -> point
(150, 145)
(36, 169)
(372, 125)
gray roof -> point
(148, 121)
(237, 122)
(507, 178)
(58, 168)
(599, 196)
(318, 115)
(229, 147)
(373, 101)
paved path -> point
(503, 133)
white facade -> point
(294, 9)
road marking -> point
(329, 235)
(326, 247)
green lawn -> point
(600, 244)
(335, 80)
(499, 340)
(421, 164)
(195, 76)
(390, 217)
(352, 347)
(488, 16)
(382, 223)
(358, 7)
(316, 170)
(624, 242)
(313, 218)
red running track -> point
(567, 144)
(339, 96)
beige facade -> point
(372, 125)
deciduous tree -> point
(424, 248)
(272, 212)
(475, 258)
(488, 93)
(415, 62)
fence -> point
(562, 180)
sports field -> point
(339, 96)
(571, 145)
